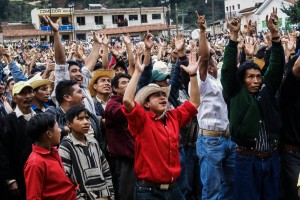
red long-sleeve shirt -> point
(45, 177)
(156, 144)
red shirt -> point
(45, 177)
(157, 145)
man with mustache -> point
(15, 145)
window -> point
(133, 17)
(239, 6)
(156, 16)
(65, 21)
(65, 37)
(98, 20)
(81, 36)
(116, 19)
(232, 7)
(227, 9)
(81, 21)
(144, 18)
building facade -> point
(78, 24)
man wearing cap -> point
(15, 144)
(100, 89)
(156, 133)
(254, 119)
(41, 93)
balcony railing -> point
(61, 28)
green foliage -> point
(293, 12)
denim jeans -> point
(290, 166)
(144, 192)
(182, 180)
(216, 158)
(256, 178)
(193, 173)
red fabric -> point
(45, 177)
(156, 145)
(112, 62)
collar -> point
(19, 112)
(117, 98)
(41, 150)
(36, 108)
(153, 115)
(100, 101)
(89, 139)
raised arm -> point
(128, 101)
(105, 41)
(149, 42)
(60, 54)
(93, 57)
(296, 68)
(203, 48)
(275, 69)
(126, 39)
(192, 71)
(229, 79)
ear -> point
(67, 98)
(95, 86)
(48, 134)
(147, 104)
(114, 89)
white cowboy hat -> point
(146, 91)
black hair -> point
(290, 64)
(244, 67)
(63, 88)
(39, 124)
(74, 111)
(71, 62)
(115, 80)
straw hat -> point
(38, 81)
(19, 86)
(146, 91)
(97, 74)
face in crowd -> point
(103, 86)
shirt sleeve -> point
(185, 112)
(61, 73)
(87, 75)
(34, 180)
(64, 153)
(135, 119)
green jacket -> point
(244, 113)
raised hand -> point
(201, 21)
(179, 42)
(272, 21)
(250, 47)
(97, 37)
(149, 40)
(193, 66)
(105, 39)
(54, 26)
(234, 24)
(138, 66)
(250, 28)
(126, 38)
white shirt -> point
(26, 116)
(212, 112)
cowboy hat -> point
(146, 91)
(19, 86)
(97, 74)
(38, 81)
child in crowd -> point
(83, 159)
(44, 174)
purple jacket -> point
(119, 140)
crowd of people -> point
(212, 118)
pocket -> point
(211, 141)
(93, 175)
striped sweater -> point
(86, 165)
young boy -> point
(83, 159)
(44, 173)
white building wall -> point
(232, 6)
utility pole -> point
(176, 11)
(213, 15)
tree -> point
(293, 12)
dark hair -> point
(115, 80)
(39, 124)
(63, 88)
(74, 111)
(244, 67)
(71, 62)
